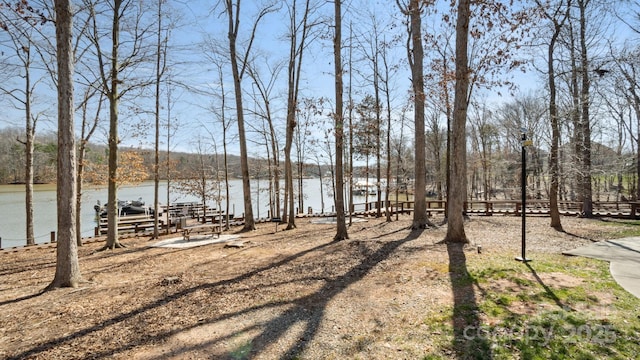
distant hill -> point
(12, 160)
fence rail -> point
(626, 209)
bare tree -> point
(201, 179)
(308, 110)
(388, 72)
(485, 136)
(299, 31)
(87, 129)
(371, 49)
(415, 54)
(88, 85)
(585, 120)
(458, 185)
(161, 62)
(557, 16)
(226, 124)
(263, 100)
(114, 66)
(67, 266)
(233, 14)
(436, 140)
(216, 56)
(628, 69)
(19, 21)
(341, 225)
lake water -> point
(12, 208)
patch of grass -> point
(433, 357)
(623, 228)
(460, 279)
(523, 282)
(483, 274)
(558, 335)
(439, 328)
(591, 317)
(242, 351)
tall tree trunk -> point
(321, 186)
(553, 115)
(387, 91)
(341, 226)
(378, 132)
(234, 22)
(350, 95)
(85, 135)
(80, 173)
(156, 163)
(587, 204)
(28, 150)
(294, 68)
(113, 96)
(416, 55)
(275, 169)
(67, 266)
(458, 185)
(578, 136)
(300, 178)
(288, 171)
(291, 126)
(169, 152)
(223, 107)
(448, 111)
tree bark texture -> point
(587, 204)
(458, 185)
(420, 219)
(234, 23)
(28, 149)
(341, 225)
(67, 266)
(113, 96)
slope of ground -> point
(386, 293)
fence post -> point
(53, 236)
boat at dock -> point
(126, 207)
(361, 188)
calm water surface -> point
(12, 208)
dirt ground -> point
(284, 294)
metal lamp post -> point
(523, 188)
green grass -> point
(242, 351)
(623, 228)
(594, 319)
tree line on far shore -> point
(12, 159)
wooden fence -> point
(627, 209)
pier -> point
(180, 216)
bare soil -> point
(284, 294)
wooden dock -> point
(196, 214)
(615, 209)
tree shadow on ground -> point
(466, 319)
(583, 237)
(311, 308)
(308, 310)
(548, 291)
(22, 298)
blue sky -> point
(191, 111)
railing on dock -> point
(626, 209)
